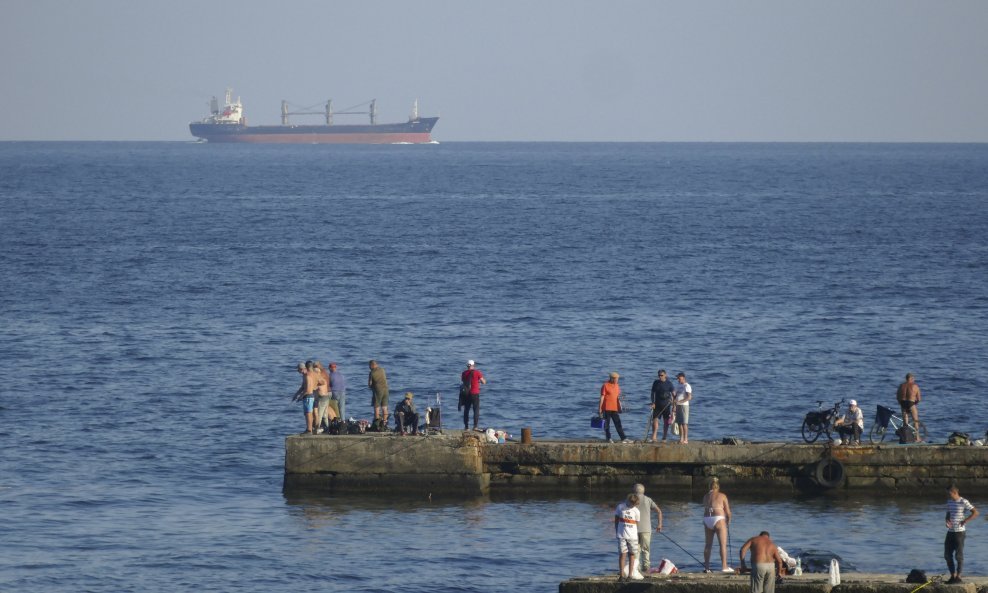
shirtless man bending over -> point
(765, 561)
(909, 398)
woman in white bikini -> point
(716, 517)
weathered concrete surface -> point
(460, 461)
(806, 583)
(385, 462)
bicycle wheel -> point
(811, 431)
(877, 434)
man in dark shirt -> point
(663, 405)
(405, 415)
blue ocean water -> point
(155, 298)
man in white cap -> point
(851, 425)
(471, 379)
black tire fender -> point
(829, 473)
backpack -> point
(378, 425)
(959, 438)
(337, 426)
(356, 427)
(916, 576)
(465, 390)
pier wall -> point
(806, 583)
(461, 462)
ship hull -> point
(414, 132)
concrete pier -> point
(462, 462)
(805, 583)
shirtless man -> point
(716, 517)
(909, 398)
(305, 392)
(765, 560)
(322, 397)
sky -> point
(506, 70)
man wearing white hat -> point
(471, 379)
(851, 425)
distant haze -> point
(508, 70)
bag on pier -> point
(667, 567)
(959, 438)
(337, 426)
(916, 576)
(596, 422)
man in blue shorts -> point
(306, 393)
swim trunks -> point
(711, 522)
(308, 404)
(905, 405)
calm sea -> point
(154, 299)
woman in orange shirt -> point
(610, 407)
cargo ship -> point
(230, 125)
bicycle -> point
(820, 421)
(885, 418)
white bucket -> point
(667, 567)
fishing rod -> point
(682, 548)
(648, 428)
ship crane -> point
(329, 113)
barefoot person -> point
(684, 394)
(953, 544)
(716, 518)
(909, 396)
(766, 562)
(663, 405)
(626, 518)
(306, 392)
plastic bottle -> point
(799, 566)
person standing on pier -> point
(337, 386)
(684, 394)
(626, 518)
(909, 397)
(953, 544)
(766, 562)
(472, 379)
(377, 380)
(663, 405)
(610, 407)
(305, 393)
(645, 506)
(322, 397)
(716, 519)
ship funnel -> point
(214, 106)
(415, 111)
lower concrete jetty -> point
(734, 583)
(464, 462)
